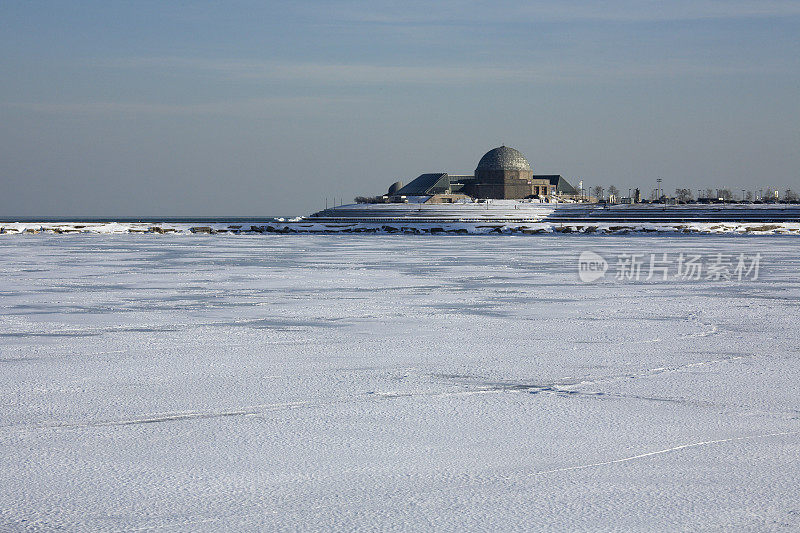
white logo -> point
(591, 266)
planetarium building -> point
(504, 194)
(502, 173)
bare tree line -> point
(686, 195)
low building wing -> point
(427, 185)
(560, 185)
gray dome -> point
(503, 158)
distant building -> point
(502, 173)
(561, 186)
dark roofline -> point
(426, 184)
(562, 185)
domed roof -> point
(503, 158)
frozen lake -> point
(403, 382)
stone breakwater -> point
(294, 227)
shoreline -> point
(305, 226)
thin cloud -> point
(249, 107)
(472, 14)
(357, 74)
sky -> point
(153, 108)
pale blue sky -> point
(249, 108)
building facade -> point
(502, 173)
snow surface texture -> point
(319, 382)
(413, 227)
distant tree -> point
(710, 193)
(725, 194)
(790, 196)
(613, 191)
(683, 195)
(597, 191)
(368, 199)
(749, 196)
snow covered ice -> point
(318, 382)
